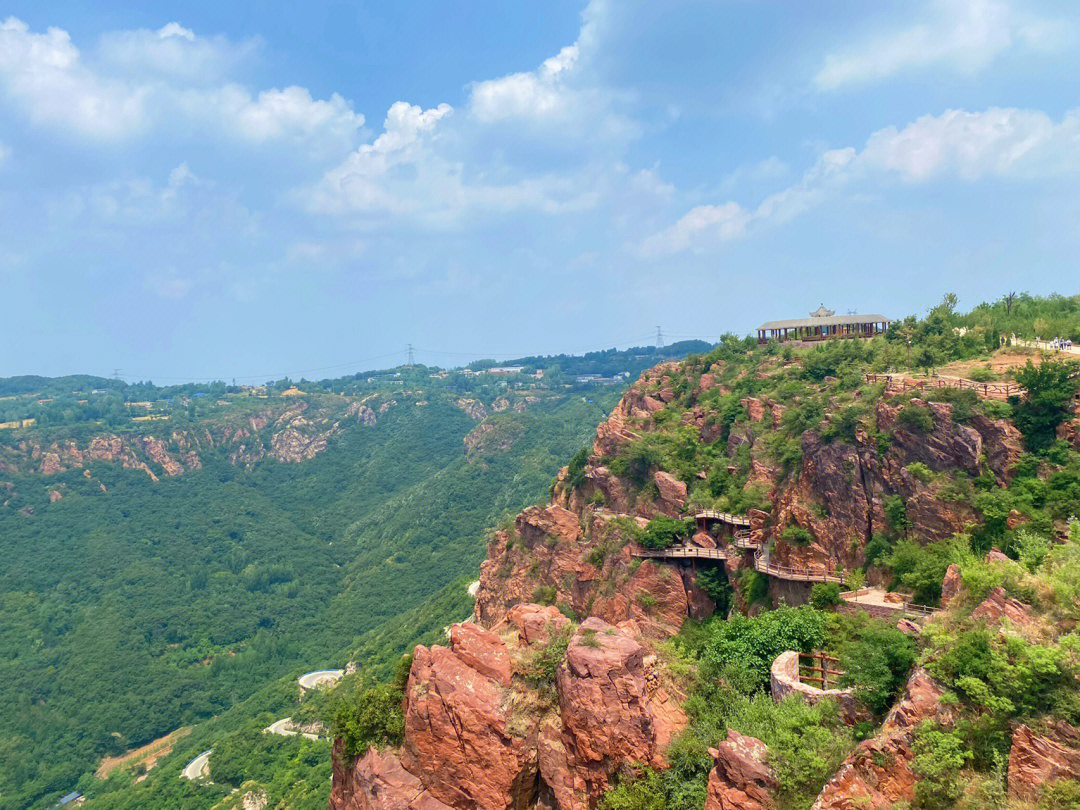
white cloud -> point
(1008, 143)
(44, 75)
(699, 228)
(963, 34)
(996, 142)
(169, 79)
(562, 96)
(174, 51)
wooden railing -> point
(742, 539)
(993, 390)
(682, 553)
(794, 573)
(723, 517)
(822, 667)
(919, 611)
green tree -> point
(1051, 387)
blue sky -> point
(193, 190)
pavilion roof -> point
(831, 320)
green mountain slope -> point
(133, 607)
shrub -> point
(663, 532)
(714, 582)
(797, 535)
(917, 418)
(896, 514)
(939, 756)
(922, 568)
(824, 595)
(575, 473)
(545, 594)
(920, 472)
(751, 643)
(369, 716)
(1050, 389)
(754, 586)
(876, 664)
(541, 665)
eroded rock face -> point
(591, 573)
(877, 774)
(457, 739)
(1037, 760)
(672, 492)
(998, 605)
(482, 650)
(377, 781)
(741, 778)
(607, 711)
(536, 623)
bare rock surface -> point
(741, 778)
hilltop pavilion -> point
(823, 324)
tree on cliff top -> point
(1051, 387)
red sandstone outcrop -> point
(672, 492)
(536, 623)
(457, 735)
(741, 778)
(877, 774)
(608, 715)
(482, 650)
(951, 585)
(998, 605)
(1037, 760)
(593, 574)
(377, 781)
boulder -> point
(908, 627)
(535, 623)
(1040, 759)
(998, 605)
(741, 778)
(672, 491)
(951, 585)
(377, 781)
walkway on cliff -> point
(762, 562)
(879, 602)
(900, 384)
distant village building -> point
(824, 324)
(506, 369)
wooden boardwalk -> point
(683, 553)
(742, 539)
(723, 517)
(900, 384)
(793, 573)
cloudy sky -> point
(192, 190)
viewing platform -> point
(742, 539)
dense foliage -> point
(133, 611)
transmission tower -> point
(659, 338)
(116, 374)
(410, 354)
